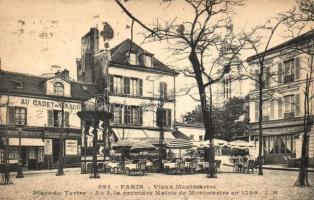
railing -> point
(288, 78)
(266, 118)
(289, 115)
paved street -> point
(273, 185)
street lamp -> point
(19, 166)
(160, 122)
(60, 171)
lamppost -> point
(19, 166)
(60, 171)
(160, 122)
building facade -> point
(287, 66)
(138, 83)
(44, 108)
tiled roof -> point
(35, 85)
(119, 56)
(297, 40)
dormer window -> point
(148, 60)
(133, 59)
(58, 89)
(18, 84)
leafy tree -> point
(230, 120)
(196, 38)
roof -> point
(297, 40)
(119, 56)
(34, 85)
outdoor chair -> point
(250, 166)
(217, 165)
(180, 167)
(140, 169)
(285, 161)
(101, 167)
(89, 167)
(191, 168)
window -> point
(117, 85)
(117, 114)
(227, 88)
(133, 87)
(191, 137)
(266, 110)
(133, 115)
(290, 106)
(55, 118)
(17, 116)
(133, 59)
(58, 89)
(163, 90)
(289, 68)
(166, 118)
(148, 61)
(200, 138)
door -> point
(55, 150)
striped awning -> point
(179, 144)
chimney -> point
(66, 74)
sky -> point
(35, 34)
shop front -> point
(282, 140)
(32, 152)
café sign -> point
(49, 104)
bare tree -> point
(262, 75)
(196, 39)
(299, 18)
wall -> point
(37, 110)
(150, 89)
(50, 86)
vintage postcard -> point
(157, 99)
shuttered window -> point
(256, 111)
(126, 82)
(297, 105)
(280, 108)
(297, 68)
(140, 87)
(163, 90)
(55, 118)
(17, 116)
(50, 118)
(256, 73)
(279, 73)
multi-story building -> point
(287, 66)
(137, 80)
(33, 104)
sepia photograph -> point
(157, 99)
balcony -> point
(288, 78)
(266, 118)
(289, 115)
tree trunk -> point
(207, 118)
(303, 172)
(260, 121)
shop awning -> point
(179, 135)
(26, 142)
(139, 134)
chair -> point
(142, 168)
(250, 166)
(100, 167)
(285, 161)
(191, 167)
(180, 167)
(156, 166)
(217, 165)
